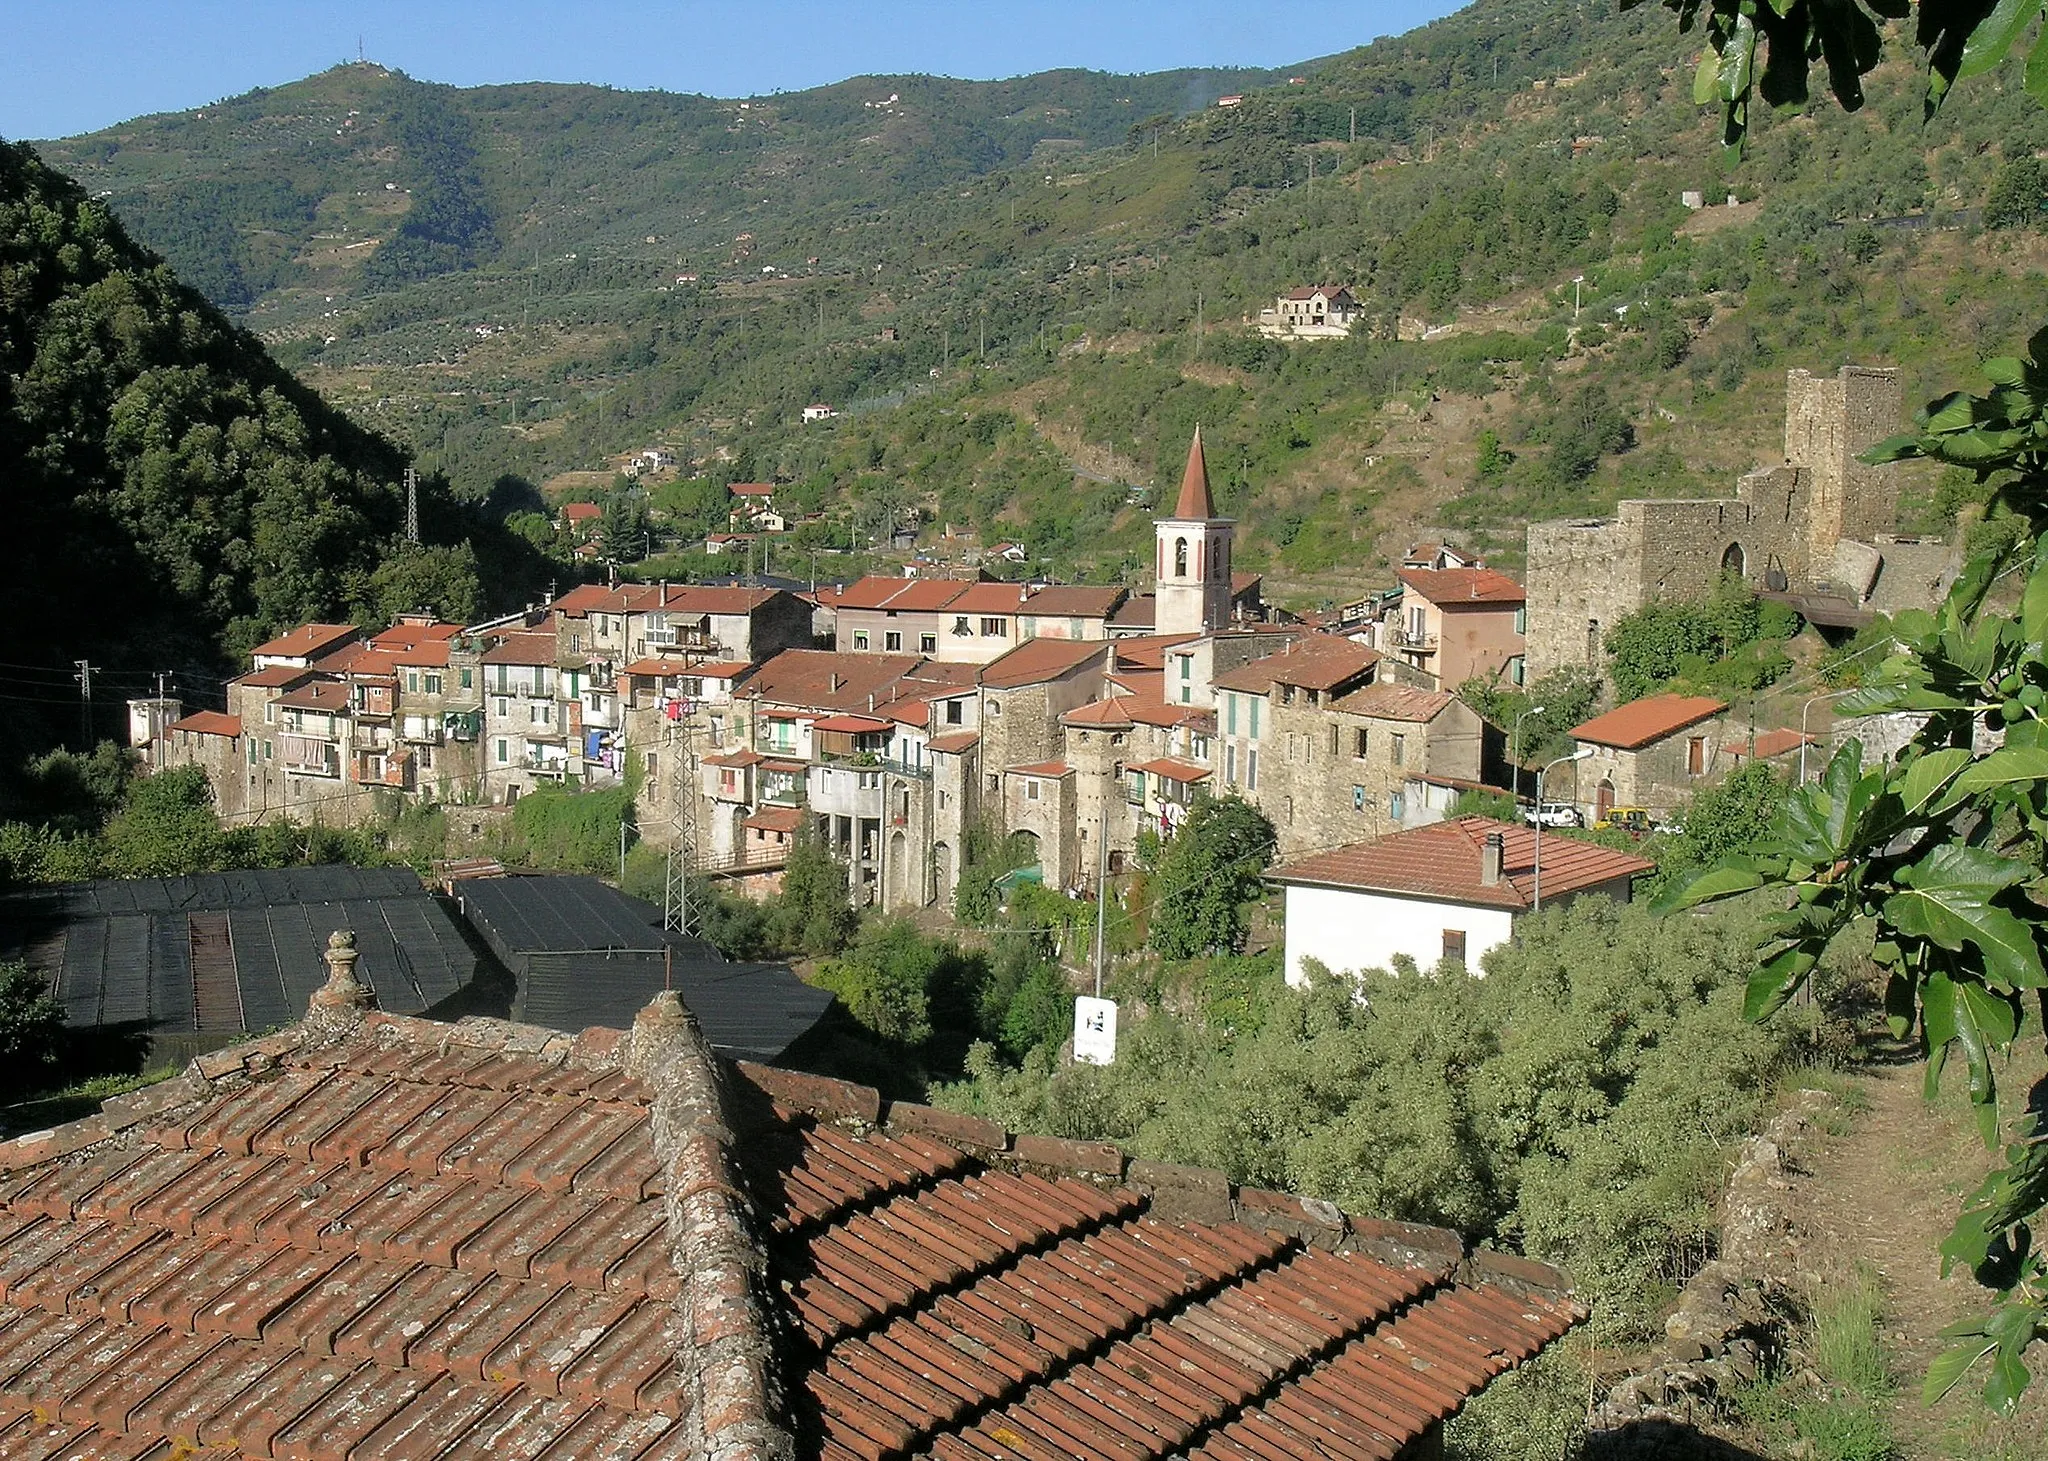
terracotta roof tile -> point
(1442, 860)
(209, 723)
(1636, 724)
(1313, 662)
(309, 641)
(379, 1236)
(1449, 587)
(1173, 770)
(1038, 660)
(1388, 701)
(952, 743)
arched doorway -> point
(900, 871)
(1603, 798)
(942, 870)
(1734, 562)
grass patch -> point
(1840, 1418)
(80, 1098)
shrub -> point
(31, 1031)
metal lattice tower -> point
(677, 913)
(412, 505)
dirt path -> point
(1884, 1194)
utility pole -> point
(157, 723)
(412, 505)
(1198, 324)
(84, 678)
(1354, 126)
(1101, 894)
(677, 914)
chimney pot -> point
(1492, 853)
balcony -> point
(305, 755)
(846, 791)
(1402, 637)
(424, 730)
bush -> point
(31, 1031)
(1207, 874)
(570, 831)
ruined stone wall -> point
(1583, 576)
(1829, 422)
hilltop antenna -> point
(359, 48)
(412, 505)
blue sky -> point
(69, 66)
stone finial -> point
(662, 1025)
(342, 991)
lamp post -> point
(1536, 856)
(1829, 695)
(1516, 761)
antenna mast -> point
(677, 915)
(412, 505)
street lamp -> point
(1829, 695)
(1536, 856)
(1516, 754)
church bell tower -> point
(1193, 556)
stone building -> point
(1460, 624)
(1816, 529)
(1193, 556)
(1650, 753)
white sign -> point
(1095, 1030)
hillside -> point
(174, 493)
(1026, 293)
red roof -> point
(1039, 660)
(926, 594)
(531, 648)
(1312, 662)
(952, 743)
(1771, 743)
(1172, 770)
(1447, 588)
(1388, 701)
(1634, 725)
(209, 723)
(735, 759)
(786, 820)
(1442, 861)
(751, 489)
(329, 696)
(1075, 601)
(1041, 768)
(1194, 503)
(369, 1235)
(309, 641)
(851, 725)
(577, 512)
(405, 634)
(274, 678)
(363, 661)
(1111, 713)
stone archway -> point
(1603, 798)
(942, 870)
(901, 873)
(1734, 561)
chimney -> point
(1491, 854)
(1109, 660)
(833, 683)
(871, 702)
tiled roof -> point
(752, 489)
(1110, 713)
(1442, 860)
(787, 820)
(363, 660)
(1172, 770)
(274, 678)
(1388, 701)
(661, 667)
(1634, 725)
(1075, 601)
(1766, 744)
(330, 696)
(735, 758)
(1147, 651)
(989, 598)
(1139, 611)
(209, 723)
(1449, 587)
(404, 635)
(821, 679)
(309, 641)
(1313, 662)
(581, 511)
(1242, 583)
(533, 648)
(852, 725)
(1038, 660)
(1041, 768)
(928, 594)
(952, 743)
(722, 669)
(1194, 503)
(427, 653)
(374, 1236)
(675, 598)
(1327, 291)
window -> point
(252, 753)
(995, 708)
(1187, 694)
(1696, 756)
(1187, 665)
(269, 750)
(954, 712)
(1251, 769)
(927, 644)
(426, 758)
(1454, 944)
(1418, 623)
(270, 712)
(1286, 694)
(1399, 750)
(1230, 714)
(994, 628)
(1335, 734)
(575, 644)
(1287, 811)
(1030, 789)
(466, 679)
(503, 709)
(652, 759)
(860, 639)
(504, 685)
(1518, 671)
(412, 682)
(1230, 764)
(1397, 806)
(995, 783)
(502, 753)
(1255, 702)
(1180, 557)
(961, 626)
(892, 641)
(432, 684)
(1522, 620)
(1357, 798)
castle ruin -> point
(1815, 531)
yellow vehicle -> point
(1636, 820)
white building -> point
(1451, 890)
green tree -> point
(813, 913)
(885, 981)
(2019, 194)
(31, 1031)
(1207, 874)
(622, 532)
(166, 828)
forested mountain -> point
(173, 494)
(1007, 282)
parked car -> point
(1553, 814)
(1634, 820)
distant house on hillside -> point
(1313, 312)
(579, 519)
(818, 411)
(1233, 100)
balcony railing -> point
(1408, 639)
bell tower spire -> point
(1193, 555)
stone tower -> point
(1829, 422)
(1193, 555)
